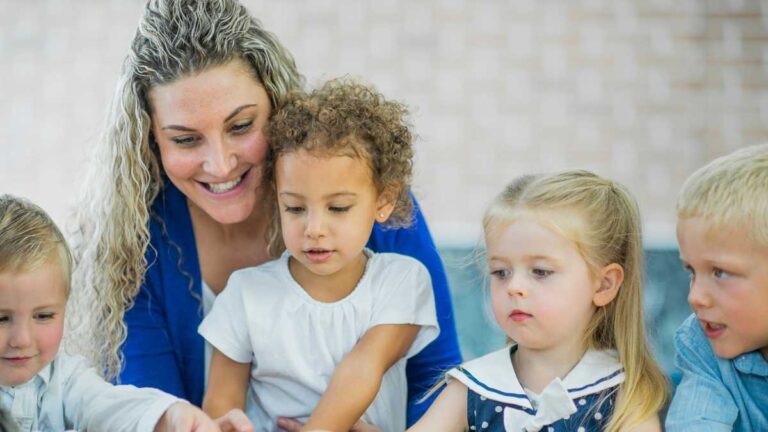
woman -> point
(173, 203)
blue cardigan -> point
(163, 349)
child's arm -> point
(652, 424)
(448, 413)
(227, 385)
(182, 416)
(356, 380)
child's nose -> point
(315, 225)
(21, 336)
(698, 295)
(516, 286)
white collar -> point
(493, 376)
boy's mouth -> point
(17, 360)
(711, 329)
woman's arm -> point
(227, 385)
(356, 380)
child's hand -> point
(291, 425)
(234, 421)
(184, 417)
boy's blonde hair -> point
(603, 220)
(29, 238)
(731, 191)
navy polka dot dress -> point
(580, 402)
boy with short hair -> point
(41, 388)
(722, 349)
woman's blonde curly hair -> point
(174, 39)
(345, 117)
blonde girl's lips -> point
(519, 316)
(17, 361)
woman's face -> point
(208, 127)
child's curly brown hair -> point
(345, 117)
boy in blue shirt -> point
(722, 350)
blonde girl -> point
(564, 255)
(322, 334)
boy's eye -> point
(4, 319)
(239, 128)
(184, 141)
(293, 209)
(45, 316)
(335, 209)
(720, 273)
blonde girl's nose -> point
(516, 286)
(21, 335)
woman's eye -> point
(239, 128)
(334, 209)
(184, 140)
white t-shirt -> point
(294, 342)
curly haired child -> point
(322, 334)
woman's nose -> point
(221, 159)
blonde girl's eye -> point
(500, 273)
(541, 273)
(4, 319)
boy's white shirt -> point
(69, 394)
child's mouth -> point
(519, 316)
(712, 330)
(318, 255)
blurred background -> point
(643, 92)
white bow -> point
(554, 404)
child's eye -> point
(293, 209)
(4, 319)
(45, 316)
(335, 209)
(500, 273)
(720, 273)
(541, 273)
(239, 128)
(184, 141)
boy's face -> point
(31, 321)
(729, 285)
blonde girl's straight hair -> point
(603, 220)
(174, 39)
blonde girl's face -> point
(541, 289)
(328, 205)
(208, 127)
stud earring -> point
(381, 215)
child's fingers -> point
(235, 421)
(289, 424)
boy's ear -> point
(610, 278)
(385, 204)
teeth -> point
(224, 187)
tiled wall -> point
(641, 91)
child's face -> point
(31, 321)
(541, 289)
(328, 205)
(729, 285)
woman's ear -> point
(610, 278)
(385, 204)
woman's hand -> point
(185, 417)
(291, 425)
